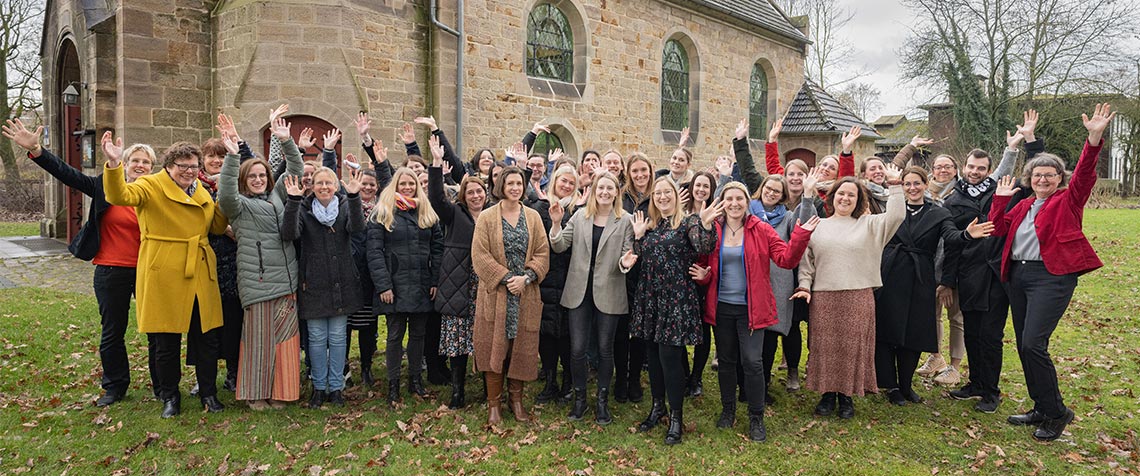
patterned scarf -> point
(326, 214)
(210, 183)
(405, 203)
(772, 217)
(975, 191)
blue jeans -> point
(327, 347)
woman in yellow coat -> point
(177, 284)
(510, 253)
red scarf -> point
(212, 185)
(405, 203)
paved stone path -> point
(48, 266)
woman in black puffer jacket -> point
(405, 249)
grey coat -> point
(266, 264)
(784, 280)
(609, 279)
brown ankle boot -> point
(494, 398)
(515, 391)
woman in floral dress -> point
(666, 309)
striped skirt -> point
(841, 342)
(269, 363)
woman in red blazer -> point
(740, 301)
(1044, 253)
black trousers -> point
(895, 366)
(583, 319)
(436, 363)
(701, 354)
(367, 336)
(737, 344)
(416, 326)
(983, 333)
(793, 342)
(114, 286)
(202, 347)
(554, 340)
(1039, 300)
(666, 372)
(233, 315)
(629, 356)
(771, 341)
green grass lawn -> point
(19, 228)
(49, 375)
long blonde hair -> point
(560, 171)
(655, 213)
(592, 202)
(384, 212)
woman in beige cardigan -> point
(510, 255)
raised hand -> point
(539, 127)
(428, 121)
(811, 223)
(436, 150)
(698, 272)
(640, 224)
(27, 140)
(554, 155)
(379, 151)
(354, 179)
(226, 128)
(893, 173)
(742, 129)
(230, 144)
(598, 171)
(516, 151)
(980, 230)
(1099, 121)
(446, 168)
(406, 134)
(1012, 140)
(1005, 187)
(363, 123)
(1028, 125)
(684, 137)
(351, 160)
(849, 139)
(305, 140)
(811, 179)
(112, 149)
(801, 294)
(917, 141)
(275, 114)
(710, 214)
(683, 198)
(331, 138)
(556, 213)
(724, 165)
(628, 259)
(293, 186)
(774, 132)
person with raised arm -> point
(509, 252)
(177, 292)
(740, 301)
(629, 351)
(696, 195)
(838, 284)
(267, 279)
(458, 283)
(1044, 254)
(601, 237)
(666, 309)
(905, 306)
(109, 239)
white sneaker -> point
(949, 377)
(934, 364)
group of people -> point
(602, 264)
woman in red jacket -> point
(740, 299)
(1044, 253)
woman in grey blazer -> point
(602, 240)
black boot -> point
(172, 406)
(212, 404)
(566, 392)
(756, 430)
(549, 392)
(394, 390)
(895, 396)
(676, 427)
(656, 413)
(366, 377)
(727, 415)
(579, 406)
(826, 405)
(336, 397)
(231, 378)
(602, 413)
(317, 399)
(846, 407)
(635, 393)
(437, 373)
(416, 385)
(458, 383)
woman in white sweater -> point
(838, 275)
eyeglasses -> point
(187, 167)
(944, 167)
(1045, 176)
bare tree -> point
(861, 98)
(828, 62)
(20, 25)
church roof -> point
(814, 111)
(761, 13)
